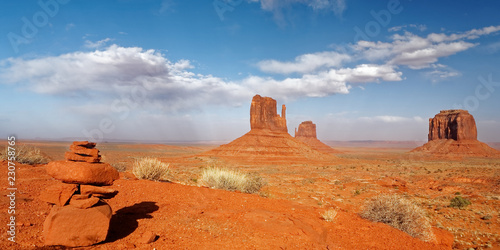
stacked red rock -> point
(453, 124)
(80, 216)
(306, 129)
(263, 114)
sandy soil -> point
(286, 213)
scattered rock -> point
(73, 227)
(147, 238)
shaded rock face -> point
(306, 129)
(263, 114)
(454, 124)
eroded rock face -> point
(453, 124)
(263, 114)
(306, 129)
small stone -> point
(58, 194)
(84, 144)
(147, 238)
(83, 201)
(70, 156)
(73, 227)
(100, 192)
(486, 217)
(84, 151)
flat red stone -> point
(99, 174)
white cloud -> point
(306, 63)
(419, 27)
(418, 52)
(70, 26)
(441, 72)
(98, 44)
(276, 6)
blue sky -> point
(187, 70)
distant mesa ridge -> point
(454, 132)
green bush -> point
(399, 213)
(150, 169)
(459, 202)
(25, 154)
(231, 180)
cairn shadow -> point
(125, 220)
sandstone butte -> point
(307, 134)
(454, 133)
(268, 139)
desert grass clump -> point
(459, 202)
(150, 169)
(231, 180)
(329, 215)
(25, 154)
(399, 213)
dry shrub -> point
(150, 169)
(399, 213)
(231, 180)
(25, 154)
(329, 215)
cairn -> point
(79, 215)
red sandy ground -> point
(286, 213)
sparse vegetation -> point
(329, 215)
(25, 154)
(120, 166)
(399, 213)
(459, 202)
(231, 180)
(150, 168)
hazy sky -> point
(187, 70)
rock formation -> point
(307, 134)
(268, 140)
(263, 114)
(453, 124)
(306, 129)
(79, 216)
(454, 133)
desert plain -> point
(181, 213)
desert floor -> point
(287, 211)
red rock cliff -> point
(306, 129)
(453, 124)
(263, 115)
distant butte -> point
(268, 140)
(307, 134)
(454, 132)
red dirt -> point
(187, 217)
